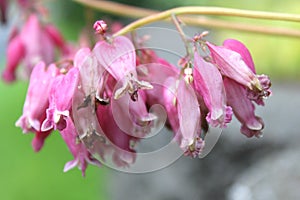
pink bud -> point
(100, 27)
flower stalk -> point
(149, 16)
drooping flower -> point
(119, 59)
(15, 53)
(243, 108)
(232, 65)
(60, 100)
(36, 101)
(82, 157)
(255, 95)
(183, 110)
(28, 52)
(208, 83)
(238, 95)
(120, 141)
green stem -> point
(181, 33)
(197, 10)
(137, 12)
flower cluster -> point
(45, 40)
(101, 99)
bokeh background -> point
(237, 168)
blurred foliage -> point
(29, 176)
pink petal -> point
(117, 57)
(15, 53)
(231, 64)
(240, 48)
(243, 108)
(208, 83)
(188, 113)
(38, 92)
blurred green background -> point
(28, 175)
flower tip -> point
(8, 77)
(100, 27)
(37, 144)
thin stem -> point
(136, 12)
(181, 33)
(208, 11)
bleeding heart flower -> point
(38, 93)
(208, 83)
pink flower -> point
(60, 100)
(82, 156)
(132, 117)
(239, 97)
(119, 59)
(15, 53)
(178, 99)
(232, 65)
(208, 83)
(243, 108)
(40, 46)
(120, 142)
(183, 111)
(36, 101)
(255, 95)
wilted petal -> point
(243, 108)
(208, 83)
